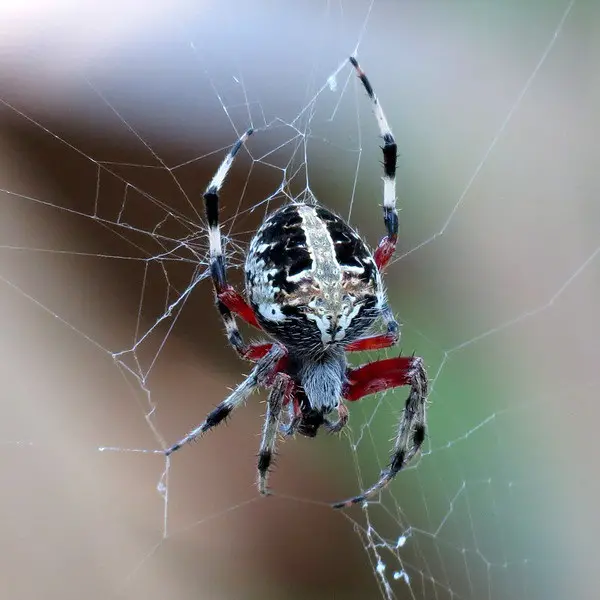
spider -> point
(315, 288)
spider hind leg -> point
(382, 375)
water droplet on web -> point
(402, 575)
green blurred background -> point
(496, 285)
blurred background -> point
(114, 116)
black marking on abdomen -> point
(350, 250)
(281, 245)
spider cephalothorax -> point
(314, 286)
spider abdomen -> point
(311, 279)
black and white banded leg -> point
(411, 433)
(258, 377)
(281, 389)
(218, 266)
(387, 246)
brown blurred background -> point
(497, 286)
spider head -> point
(320, 386)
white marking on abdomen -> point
(325, 267)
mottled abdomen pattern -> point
(311, 279)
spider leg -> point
(229, 302)
(280, 392)
(236, 303)
(382, 340)
(342, 419)
(295, 416)
(387, 246)
(259, 375)
(385, 374)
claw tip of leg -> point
(351, 502)
(172, 449)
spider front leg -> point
(382, 375)
(229, 302)
(280, 394)
(265, 368)
(387, 246)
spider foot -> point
(172, 449)
(213, 419)
(386, 476)
(264, 490)
(336, 426)
(348, 503)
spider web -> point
(113, 125)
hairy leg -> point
(229, 302)
(387, 246)
(259, 375)
(382, 375)
(281, 390)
